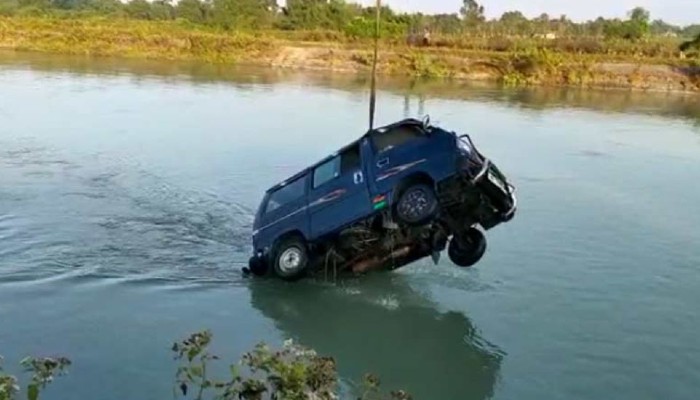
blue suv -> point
(397, 194)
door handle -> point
(383, 162)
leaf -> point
(32, 392)
(196, 371)
(192, 353)
(183, 388)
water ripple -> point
(116, 221)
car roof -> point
(379, 130)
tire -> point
(416, 205)
(290, 259)
(466, 250)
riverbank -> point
(173, 40)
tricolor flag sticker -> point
(379, 202)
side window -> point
(395, 137)
(288, 193)
(348, 161)
(326, 171)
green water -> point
(126, 197)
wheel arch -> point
(419, 177)
(288, 234)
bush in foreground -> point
(291, 373)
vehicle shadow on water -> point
(380, 325)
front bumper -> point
(491, 182)
(500, 191)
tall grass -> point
(512, 60)
(130, 38)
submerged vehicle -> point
(397, 194)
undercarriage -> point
(382, 243)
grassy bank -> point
(515, 62)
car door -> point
(338, 194)
(399, 152)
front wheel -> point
(417, 205)
(467, 249)
(290, 259)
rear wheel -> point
(468, 248)
(417, 205)
(290, 259)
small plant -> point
(42, 370)
(292, 373)
(9, 387)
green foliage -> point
(42, 372)
(195, 11)
(353, 21)
(364, 28)
(635, 28)
(8, 7)
(691, 31)
(9, 386)
(691, 45)
(472, 13)
(225, 31)
(140, 9)
(243, 14)
(293, 372)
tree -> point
(693, 44)
(236, 14)
(446, 23)
(639, 14)
(195, 11)
(638, 25)
(162, 10)
(472, 13)
(514, 22)
(140, 9)
(307, 14)
(542, 23)
(691, 31)
(660, 27)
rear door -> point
(338, 193)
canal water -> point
(127, 190)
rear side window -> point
(288, 193)
(396, 137)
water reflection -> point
(672, 105)
(382, 325)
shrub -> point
(293, 372)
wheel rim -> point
(290, 260)
(414, 204)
